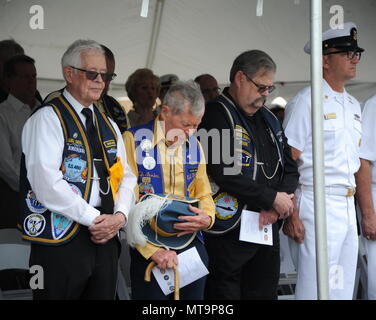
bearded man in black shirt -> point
(261, 177)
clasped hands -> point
(106, 226)
(283, 207)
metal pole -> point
(318, 151)
(155, 33)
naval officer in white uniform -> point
(342, 134)
(366, 189)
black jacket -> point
(257, 192)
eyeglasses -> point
(92, 75)
(261, 89)
(350, 54)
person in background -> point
(21, 76)
(209, 86)
(279, 112)
(166, 81)
(8, 49)
(108, 103)
(366, 190)
(143, 88)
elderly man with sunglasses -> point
(76, 185)
(260, 177)
(342, 136)
(107, 104)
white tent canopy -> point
(196, 36)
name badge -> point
(330, 116)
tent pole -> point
(155, 33)
(318, 151)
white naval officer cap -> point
(344, 39)
(168, 79)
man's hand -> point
(364, 196)
(369, 226)
(106, 226)
(267, 217)
(195, 223)
(283, 204)
(164, 259)
(294, 228)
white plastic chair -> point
(14, 254)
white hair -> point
(183, 93)
(72, 56)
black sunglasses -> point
(350, 54)
(92, 75)
(261, 89)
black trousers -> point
(241, 270)
(142, 290)
(79, 269)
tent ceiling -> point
(196, 36)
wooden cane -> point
(176, 278)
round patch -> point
(34, 224)
(149, 163)
(146, 145)
(33, 204)
(225, 206)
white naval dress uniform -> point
(368, 152)
(342, 134)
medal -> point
(145, 145)
(149, 163)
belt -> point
(334, 190)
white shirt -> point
(368, 145)
(43, 145)
(342, 134)
(13, 115)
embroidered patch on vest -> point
(109, 143)
(76, 147)
(34, 224)
(112, 150)
(145, 188)
(74, 169)
(225, 206)
(59, 225)
(33, 204)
